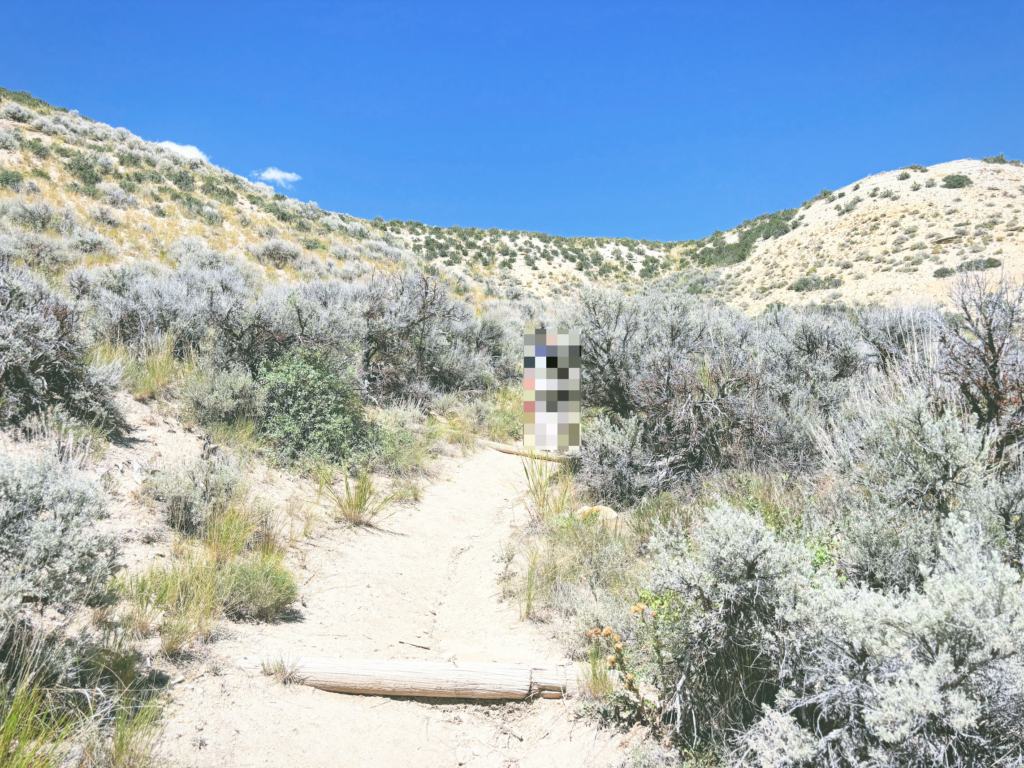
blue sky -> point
(645, 120)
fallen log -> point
(433, 679)
(515, 450)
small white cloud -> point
(185, 150)
(277, 176)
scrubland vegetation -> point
(817, 557)
(815, 551)
(331, 374)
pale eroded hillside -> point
(883, 239)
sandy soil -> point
(427, 576)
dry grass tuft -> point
(356, 502)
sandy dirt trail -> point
(428, 576)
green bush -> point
(37, 148)
(312, 408)
(183, 180)
(978, 265)
(1000, 159)
(956, 181)
(11, 180)
(769, 225)
(814, 283)
(83, 169)
(50, 552)
(217, 192)
(943, 272)
(278, 253)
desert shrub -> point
(84, 169)
(616, 466)
(943, 272)
(312, 408)
(15, 112)
(956, 181)
(35, 251)
(278, 253)
(769, 225)
(810, 356)
(814, 283)
(136, 304)
(11, 180)
(930, 677)
(732, 585)
(897, 337)
(610, 325)
(710, 388)
(50, 552)
(114, 195)
(909, 464)
(984, 356)
(42, 357)
(978, 265)
(217, 192)
(183, 180)
(101, 214)
(90, 242)
(215, 395)
(9, 140)
(38, 216)
(419, 340)
(711, 401)
(194, 493)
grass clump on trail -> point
(355, 500)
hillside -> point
(139, 197)
(897, 236)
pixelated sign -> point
(551, 389)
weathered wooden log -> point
(516, 450)
(459, 680)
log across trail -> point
(517, 450)
(431, 679)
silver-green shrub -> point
(906, 464)
(736, 583)
(50, 552)
(192, 493)
(42, 357)
(615, 464)
(277, 252)
(929, 677)
(222, 396)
